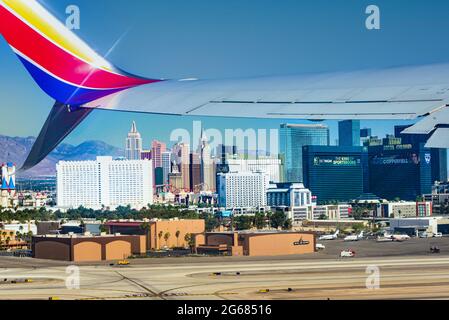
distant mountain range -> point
(16, 149)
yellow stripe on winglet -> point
(41, 20)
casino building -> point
(335, 173)
(399, 170)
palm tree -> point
(166, 237)
(188, 238)
(160, 235)
(177, 234)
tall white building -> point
(238, 190)
(271, 166)
(104, 182)
(133, 150)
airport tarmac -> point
(407, 271)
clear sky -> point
(227, 38)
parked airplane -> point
(400, 237)
(330, 236)
(80, 80)
(355, 237)
(397, 237)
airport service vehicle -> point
(425, 235)
(434, 249)
(123, 262)
(354, 237)
(80, 80)
(438, 235)
(330, 236)
(347, 253)
(320, 246)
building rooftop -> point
(297, 125)
(252, 232)
(134, 223)
(80, 236)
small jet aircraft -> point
(397, 237)
(354, 237)
(330, 236)
(400, 237)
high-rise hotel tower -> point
(133, 150)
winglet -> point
(64, 66)
(62, 120)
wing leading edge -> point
(397, 93)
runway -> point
(418, 277)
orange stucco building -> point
(160, 233)
(272, 243)
(87, 248)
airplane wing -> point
(396, 93)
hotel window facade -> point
(104, 182)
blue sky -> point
(227, 38)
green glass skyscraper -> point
(336, 173)
(292, 138)
(349, 133)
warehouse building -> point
(159, 233)
(249, 243)
(87, 248)
(48, 227)
(412, 226)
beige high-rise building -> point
(157, 148)
(181, 155)
(208, 170)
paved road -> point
(407, 271)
